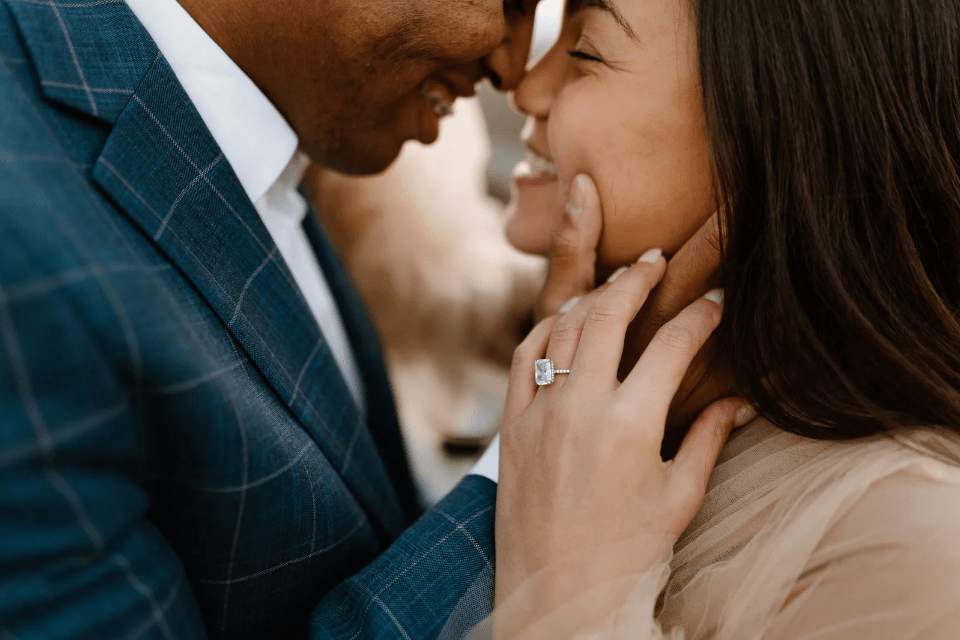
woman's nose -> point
(535, 92)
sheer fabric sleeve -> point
(888, 570)
(796, 540)
(614, 609)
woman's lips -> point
(534, 171)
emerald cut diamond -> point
(543, 371)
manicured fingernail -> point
(578, 193)
(744, 414)
(715, 296)
(651, 256)
(616, 274)
(570, 304)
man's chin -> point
(366, 161)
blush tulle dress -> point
(801, 539)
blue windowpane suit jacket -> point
(179, 455)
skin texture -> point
(346, 73)
(632, 120)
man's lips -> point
(461, 80)
(460, 87)
(442, 90)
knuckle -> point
(711, 234)
(677, 336)
(690, 492)
(563, 242)
(602, 313)
(564, 330)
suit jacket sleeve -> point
(411, 589)
(79, 557)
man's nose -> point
(506, 63)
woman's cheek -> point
(620, 243)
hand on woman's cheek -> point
(691, 271)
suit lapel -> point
(382, 414)
(163, 168)
(89, 55)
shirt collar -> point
(255, 139)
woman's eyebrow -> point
(574, 6)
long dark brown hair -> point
(835, 134)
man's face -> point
(355, 78)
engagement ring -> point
(544, 373)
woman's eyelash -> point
(580, 55)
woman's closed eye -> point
(586, 50)
(582, 55)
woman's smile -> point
(533, 207)
(535, 171)
(630, 116)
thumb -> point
(573, 247)
(702, 445)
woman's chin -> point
(528, 231)
(531, 215)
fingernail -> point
(570, 304)
(578, 193)
(715, 296)
(616, 274)
(744, 414)
(651, 256)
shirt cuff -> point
(488, 465)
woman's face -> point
(618, 98)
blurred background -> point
(451, 298)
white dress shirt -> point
(262, 150)
(488, 465)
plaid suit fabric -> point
(179, 456)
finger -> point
(565, 335)
(605, 323)
(521, 387)
(691, 271)
(661, 368)
(573, 247)
(701, 447)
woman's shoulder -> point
(897, 486)
(917, 499)
(887, 567)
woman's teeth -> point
(539, 164)
(441, 108)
